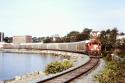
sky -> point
(50, 17)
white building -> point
(120, 37)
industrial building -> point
(22, 39)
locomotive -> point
(93, 47)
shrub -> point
(113, 73)
(104, 54)
(107, 55)
(121, 54)
(58, 66)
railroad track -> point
(74, 74)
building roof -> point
(120, 37)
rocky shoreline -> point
(78, 59)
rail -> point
(73, 74)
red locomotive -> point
(93, 47)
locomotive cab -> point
(94, 47)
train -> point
(91, 47)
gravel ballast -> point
(90, 76)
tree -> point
(73, 33)
(35, 39)
(72, 36)
(86, 33)
(58, 40)
(113, 35)
(66, 39)
(87, 30)
(8, 39)
(108, 39)
(48, 40)
(122, 34)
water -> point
(15, 64)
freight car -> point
(90, 47)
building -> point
(1, 36)
(22, 39)
(120, 37)
(95, 34)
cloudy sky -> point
(49, 17)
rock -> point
(24, 76)
(17, 77)
(65, 60)
(28, 74)
(41, 73)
